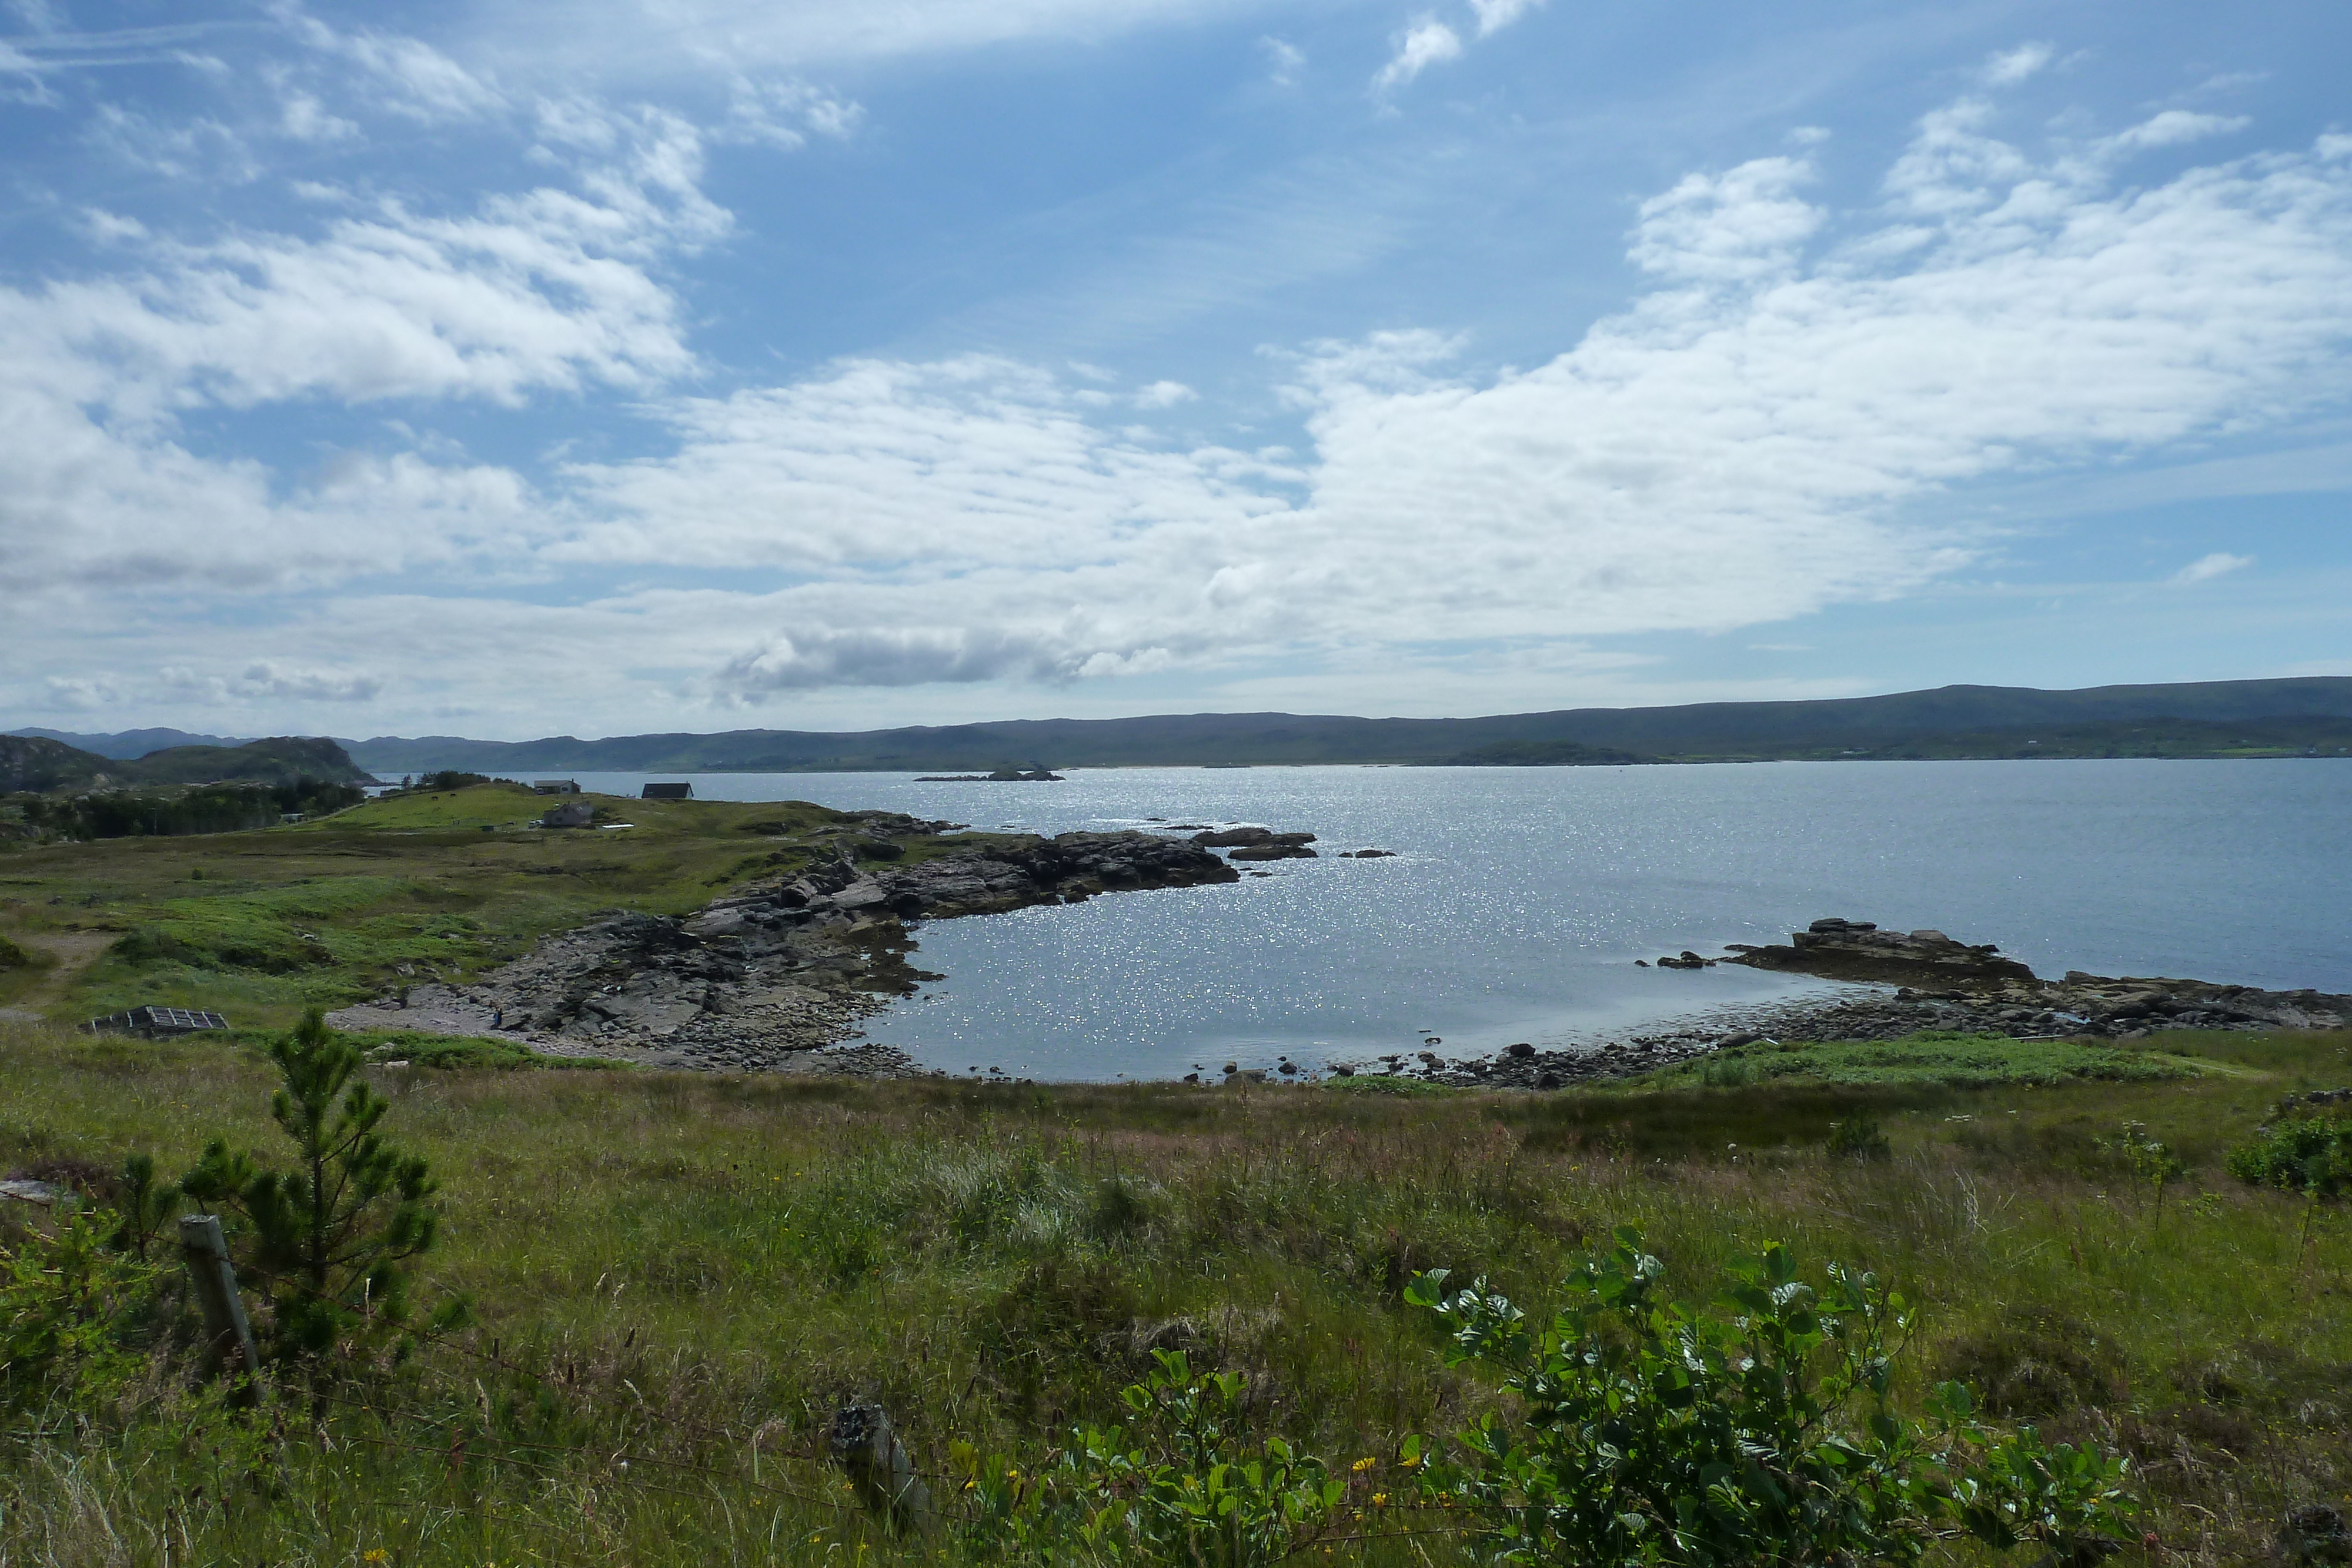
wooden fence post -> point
(228, 1335)
(878, 1466)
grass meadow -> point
(679, 1277)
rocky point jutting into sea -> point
(1904, 982)
(769, 976)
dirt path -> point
(70, 952)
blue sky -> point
(482, 368)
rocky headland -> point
(775, 975)
(1904, 982)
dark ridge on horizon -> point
(2297, 715)
(2195, 718)
(40, 762)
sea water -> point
(1518, 899)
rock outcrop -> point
(1953, 986)
(1840, 949)
(774, 970)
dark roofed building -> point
(156, 1023)
(667, 792)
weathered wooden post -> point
(229, 1336)
(878, 1466)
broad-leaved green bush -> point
(1646, 1432)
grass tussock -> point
(679, 1278)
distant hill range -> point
(2216, 718)
(42, 762)
(132, 744)
(2306, 717)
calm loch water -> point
(1520, 898)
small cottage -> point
(555, 787)
(571, 814)
(667, 792)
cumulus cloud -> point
(1164, 394)
(1763, 431)
(898, 657)
(2173, 127)
(1743, 446)
(544, 290)
(2205, 569)
(1424, 44)
(1738, 226)
(1494, 16)
(2014, 66)
(926, 468)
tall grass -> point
(691, 1272)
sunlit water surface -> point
(1520, 898)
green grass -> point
(692, 1271)
(1941, 1057)
(260, 924)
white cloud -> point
(614, 40)
(1284, 60)
(1164, 394)
(786, 113)
(406, 76)
(80, 694)
(304, 118)
(1494, 16)
(1741, 448)
(1737, 226)
(262, 681)
(2205, 569)
(1760, 436)
(2014, 66)
(1952, 166)
(547, 290)
(1424, 44)
(927, 469)
(2173, 127)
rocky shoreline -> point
(775, 976)
(1902, 983)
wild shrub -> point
(326, 1242)
(1646, 1432)
(13, 956)
(147, 1205)
(2152, 1163)
(1181, 1479)
(1858, 1138)
(2313, 1155)
(69, 1305)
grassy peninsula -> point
(426, 885)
